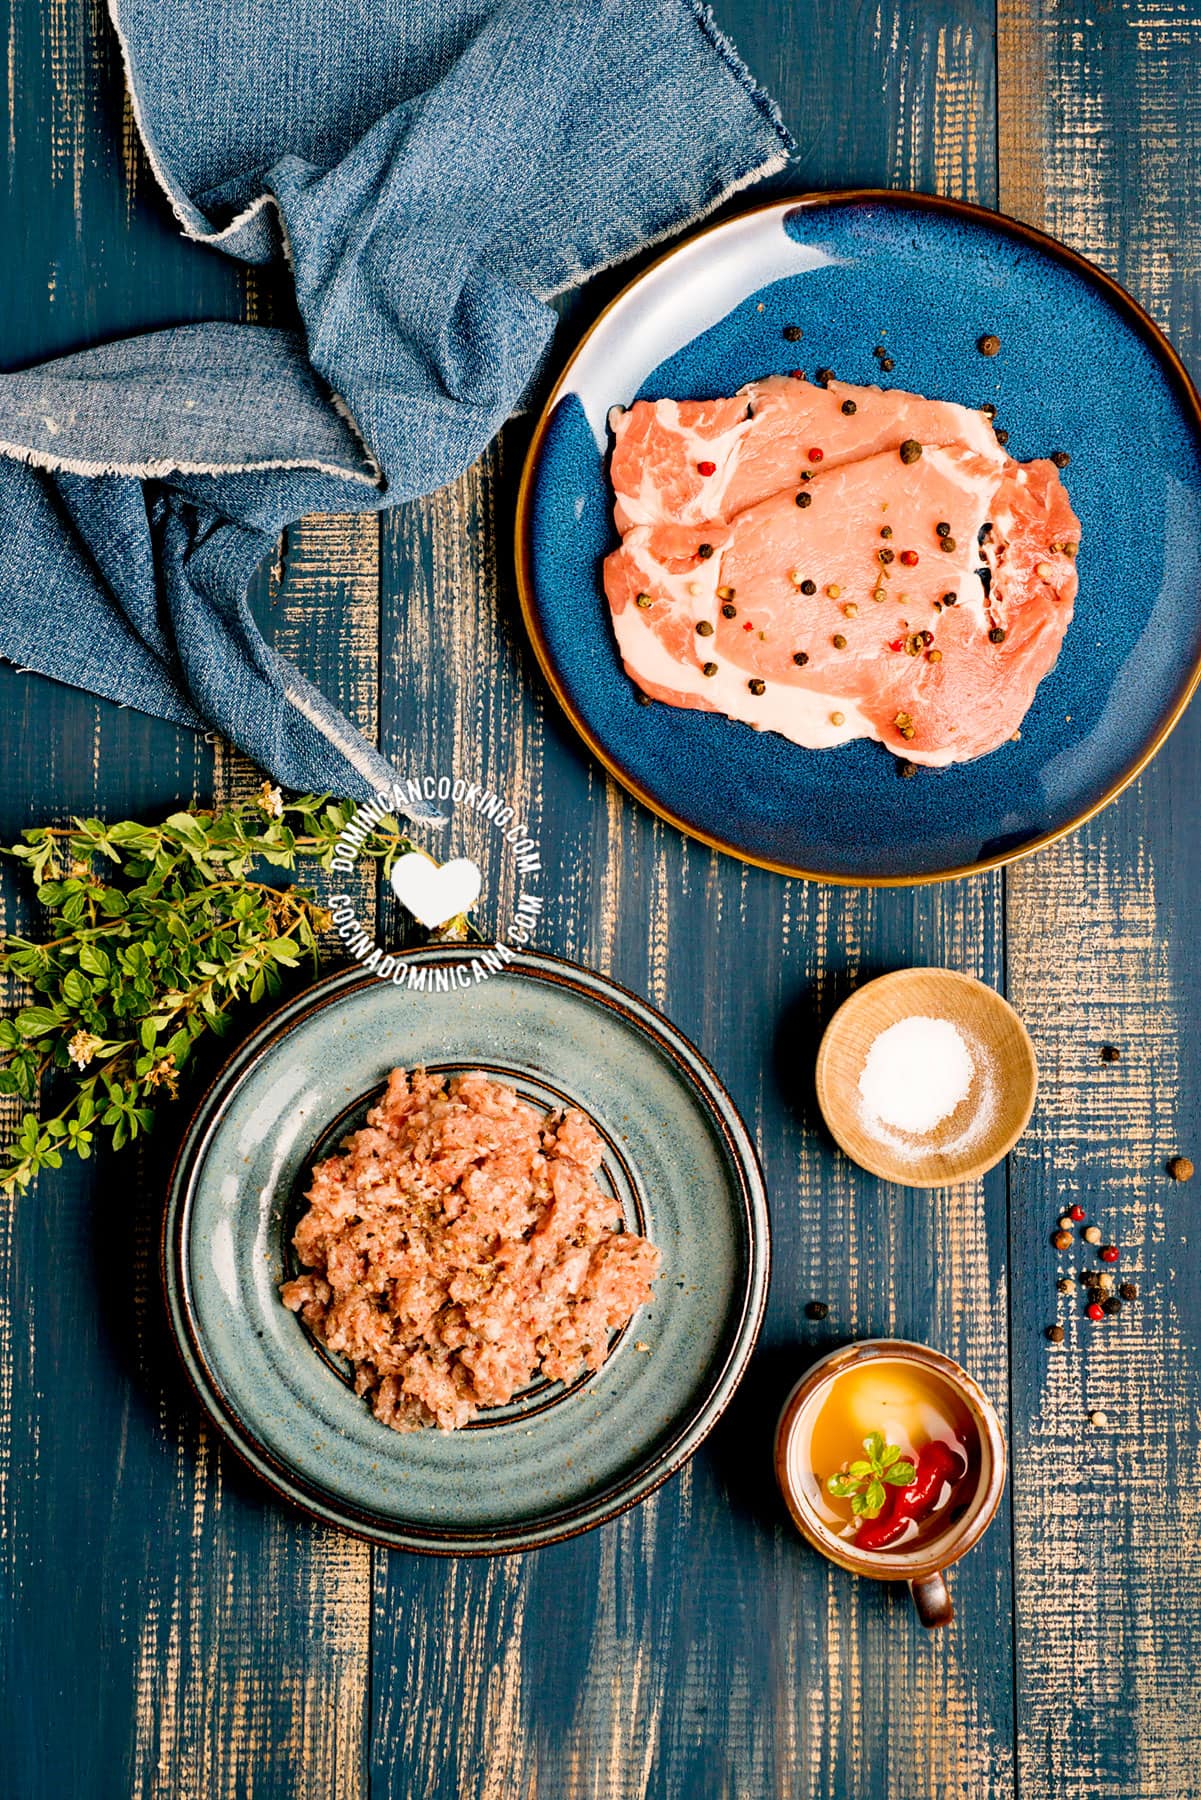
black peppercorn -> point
(1055, 1334)
(996, 635)
(1060, 458)
(905, 769)
(756, 686)
(705, 551)
(804, 499)
(989, 344)
(910, 450)
(849, 407)
(1128, 1291)
(808, 587)
(793, 333)
(800, 659)
(1110, 1053)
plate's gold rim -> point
(964, 209)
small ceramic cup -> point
(923, 1567)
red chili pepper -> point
(816, 455)
(937, 1463)
(706, 468)
(908, 557)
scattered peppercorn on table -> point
(169, 1629)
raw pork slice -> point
(917, 599)
(760, 441)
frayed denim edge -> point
(703, 14)
(158, 470)
(191, 219)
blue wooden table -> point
(168, 1629)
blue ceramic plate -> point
(1081, 368)
(554, 1461)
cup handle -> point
(932, 1600)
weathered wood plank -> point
(167, 1631)
(1101, 144)
(696, 1646)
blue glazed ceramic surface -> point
(552, 1462)
(1079, 370)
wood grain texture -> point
(166, 1633)
(167, 1629)
(1101, 145)
(697, 1647)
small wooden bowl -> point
(982, 1129)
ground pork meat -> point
(458, 1244)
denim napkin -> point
(434, 172)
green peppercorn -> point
(838, 641)
(642, 600)
(704, 628)
(708, 668)
(946, 543)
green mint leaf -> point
(891, 1452)
(862, 1468)
(873, 1443)
(859, 1505)
(900, 1474)
(842, 1486)
(873, 1500)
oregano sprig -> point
(865, 1481)
(154, 933)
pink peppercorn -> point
(1109, 1253)
(909, 558)
(816, 455)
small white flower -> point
(82, 1048)
(271, 801)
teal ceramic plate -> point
(555, 1461)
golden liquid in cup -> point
(912, 1407)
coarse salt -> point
(916, 1073)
